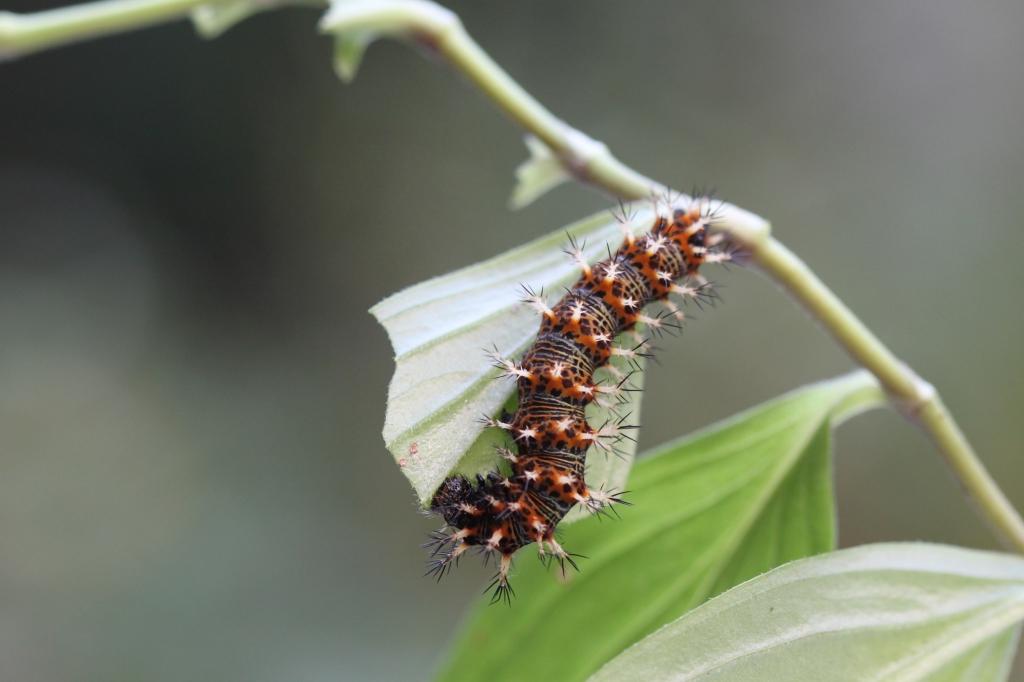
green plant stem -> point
(590, 162)
(914, 397)
(22, 34)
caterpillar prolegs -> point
(502, 512)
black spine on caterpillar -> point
(500, 513)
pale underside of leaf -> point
(444, 381)
(897, 612)
(709, 511)
(990, 660)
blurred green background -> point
(191, 391)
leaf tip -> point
(349, 49)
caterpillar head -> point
(455, 491)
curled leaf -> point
(444, 380)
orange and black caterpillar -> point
(502, 512)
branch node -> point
(579, 152)
(922, 393)
(747, 229)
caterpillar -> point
(504, 511)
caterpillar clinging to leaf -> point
(502, 512)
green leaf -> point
(444, 380)
(895, 612)
(709, 511)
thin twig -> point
(22, 34)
